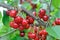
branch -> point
(26, 11)
(8, 33)
(31, 14)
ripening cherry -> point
(43, 32)
(35, 29)
(53, 24)
(45, 18)
(31, 20)
(24, 22)
(22, 34)
(57, 21)
(13, 13)
(18, 19)
(14, 25)
(32, 35)
(27, 17)
(7, 12)
(34, 13)
(21, 28)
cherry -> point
(27, 20)
(24, 22)
(37, 38)
(14, 25)
(43, 37)
(35, 29)
(45, 18)
(7, 12)
(13, 13)
(43, 32)
(18, 19)
(29, 35)
(34, 13)
(22, 34)
(32, 35)
(31, 20)
(57, 21)
(27, 26)
(42, 12)
(40, 16)
(21, 28)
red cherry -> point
(37, 38)
(21, 28)
(57, 21)
(31, 20)
(24, 22)
(34, 13)
(43, 37)
(18, 19)
(35, 29)
(13, 13)
(14, 25)
(22, 34)
(42, 12)
(40, 16)
(7, 12)
(32, 35)
(27, 26)
(45, 18)
(27, 20)
(43, 32)
(29, 35)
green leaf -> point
(56, 3)
(50, 38)
(5, 19)
(54, 31)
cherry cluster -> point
(19, 22)
(42, 15)
(41, 35)
(56, 22)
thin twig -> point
(8, 33)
